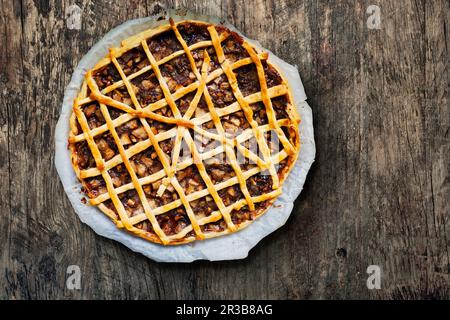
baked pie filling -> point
(185, 132)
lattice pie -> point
(183, 133)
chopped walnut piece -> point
(131, 203)
(230, 127)
(116, 181)
(147, 84)
(235, 121)
(172, 84)
(156, 184)
(170, 188)
(117, 95)
(152, 203)
(140, 169)
(139, 133)
(217, 174)
(147, 162)
(104, 148)
(178, 73)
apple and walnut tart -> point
(185, 132)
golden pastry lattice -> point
(180, 132)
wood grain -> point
(377, 193)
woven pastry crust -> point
(167, 84)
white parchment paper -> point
(229, 247)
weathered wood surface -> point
(377, 193)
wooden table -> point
(376, 195)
